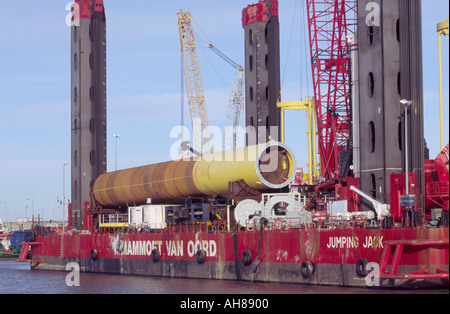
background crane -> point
(330, 22)
(236, 107)
(236, 103)
(196, 96)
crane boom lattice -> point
(236, 106)
(330, 22)
(196, 96)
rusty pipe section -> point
(267, 166)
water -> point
(17, 278)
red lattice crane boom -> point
(330, 22)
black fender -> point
(247, 258)
(200, 256)
(94, 254)
(307, 269)
(361, 268)
(155, 256)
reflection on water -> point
(17, 278)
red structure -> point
(330, 22)
(84, 9)
(436, 189)
(396, 258)
(259, 12)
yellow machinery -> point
(309, 107)
(194, 85)
(442, 29)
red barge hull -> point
(402, 257)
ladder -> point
(62, 247)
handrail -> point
(353, 221)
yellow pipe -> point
(266, 166)
(114, 225)
(213, 172)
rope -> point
(305, 44)
(290, 41)
(231, 62)
(257, 261)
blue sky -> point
(143, 86)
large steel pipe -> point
(267, 166)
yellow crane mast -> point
(196, 96)
(442, 30)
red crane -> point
(330, 22)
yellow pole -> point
(310, 135)
(283, 132)
(440, 94)
(313, 110)
(442, 29)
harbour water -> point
(17, 278)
